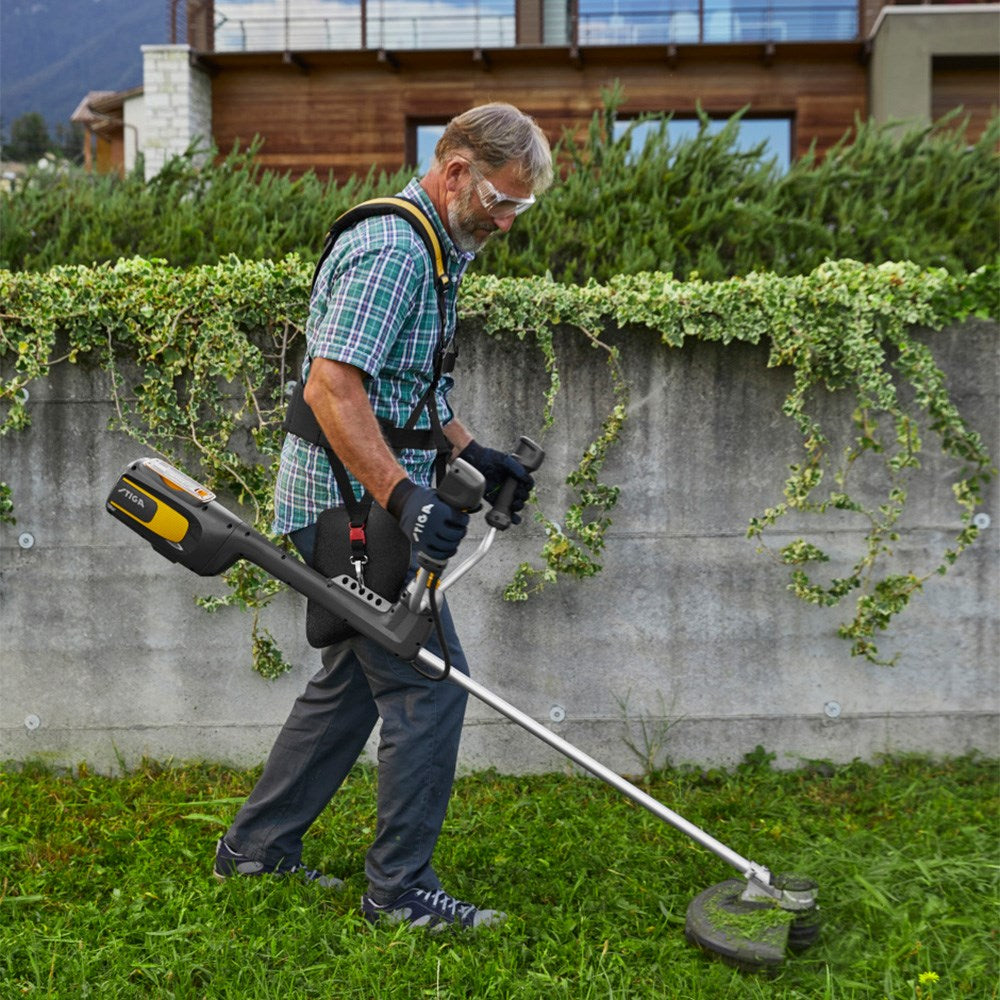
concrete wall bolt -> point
(832, 709)
(32, 722)
(26, 539)
(982, 520)
(557, 713)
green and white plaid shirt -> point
(374, 306)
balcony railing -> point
(304, 25)
(687, 22)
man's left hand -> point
(497, 467)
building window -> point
(421, 138)
(775, 132)
(689, 22)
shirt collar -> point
(414, 192)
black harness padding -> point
(334, 554)
(300, 419)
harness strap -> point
(301, 421)
(423, 227)
(299, 417)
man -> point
(373, 328)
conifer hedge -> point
(699, 205)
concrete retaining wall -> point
(687, 645)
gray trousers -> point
(325, 733)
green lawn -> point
(107, 891)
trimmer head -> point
(749, 930)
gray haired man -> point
(373, 325)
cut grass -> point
(107, 890)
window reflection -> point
(775, 133)
(688, 22)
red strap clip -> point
(358, 536)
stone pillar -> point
(905, 41)
(178, 105)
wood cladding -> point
(343, 112)
(970, 84)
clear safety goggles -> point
(497, 204)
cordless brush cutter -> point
(749, 921)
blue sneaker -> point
(434, 910)
(229, 862)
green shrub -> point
(186, 215)
(699, 205)
(704, 206)
(210, 349)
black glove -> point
(434, 527)
(497, 467)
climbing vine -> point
(198, 360)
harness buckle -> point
(359, 555)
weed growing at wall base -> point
(107, 890)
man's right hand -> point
(433, 526)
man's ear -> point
(453, 172)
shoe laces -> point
(449, 907)
(309, 874)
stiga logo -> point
(131, 498)
(139, 506)
(422, 518)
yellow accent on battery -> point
(166, 522)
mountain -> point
(52, 52)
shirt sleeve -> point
(360, 306)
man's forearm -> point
(336, 394)
(457, 435)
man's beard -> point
(463, 224)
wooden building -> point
(105, 136)
(363, 89)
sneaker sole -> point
(433, 925)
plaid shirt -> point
(374, 307)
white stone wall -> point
(134, 116)
(178, 104)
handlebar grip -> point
(530, 455)
(462, 487)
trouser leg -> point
(321, 740)
(325, 734)
(418, 749)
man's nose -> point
(504, 224)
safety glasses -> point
(497, 204)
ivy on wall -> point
(198, 360)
